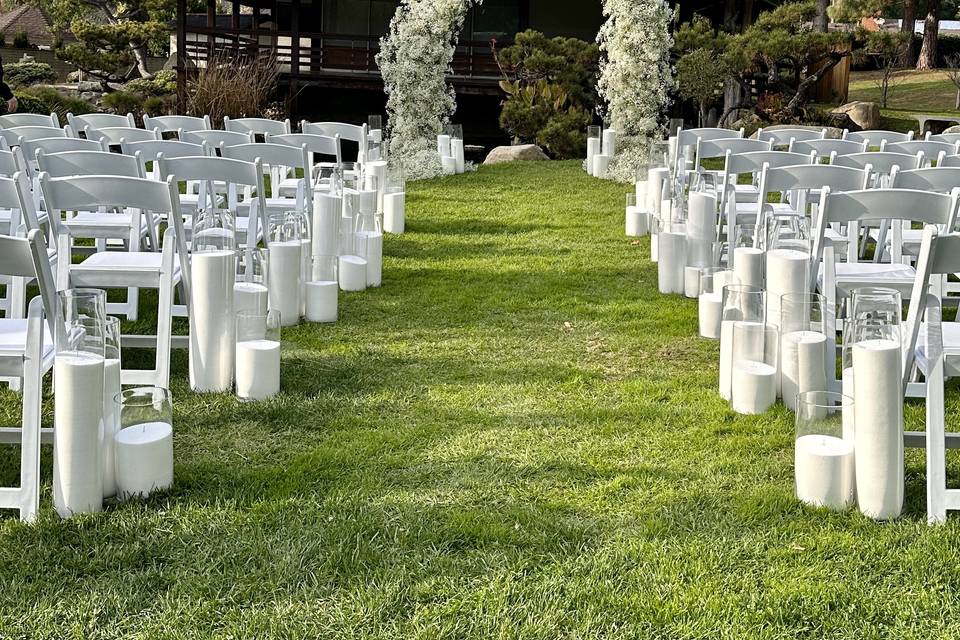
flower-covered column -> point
(414, 61)
(635, 76)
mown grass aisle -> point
(515, 437)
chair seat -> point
(779, 208)
(951, 348)
(121, 269)
(13, 338)
(851, 275)
(747, 193)
(95, 223)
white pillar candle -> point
(701, 229)
(609, 146)
(710, 309)
(849, 415)
(394, 212)
(374, 243)
(654, 244)
(258, 369)
(878, 411)
(111, 425)
(601, 166)
(456, 150)
(377, 170)
(672, 148)
(802, 369)
(753, 386)
(655, 180)
(443, 145)
(593, 148)
(327, 210)
(691, 282)
(212, 320)
(284, 276)
(78, 422)
(636, 222)
(322, 301)
(748, 266)
(823, 468)
(353, 273)
(786, 273)
(449, 165)
(641, 193)
(672, 259)
(144, 459)
(250, 296)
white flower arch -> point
(414, 61)
(635, 76)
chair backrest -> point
(811, 176)
(689, 137)
(27, 258)
(88, 163)
(354, 132)
(29, 148)
(119, 135)
(719, 148)
(783, 137)
(828, 147)
(215, 138)
(261, 126)
(322, 145)
(931, 148)
(880, 161)
(8, 163)
(15, 196)
(11, 120)
(877, 137)
(950, 138)
(177, 123)
(149, 150)
(15, 135)
(88, 193)
(753, 161)
(937, 179)
(100, 121)
(274, 155)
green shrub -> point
(157, 106)
(163, 83)
(563, 135)
(21, 40)
(24, 74)
(53, 101)
(27, 103)
(123, 102)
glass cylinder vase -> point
(823, 459)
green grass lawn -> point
(911, 92)
(515, 437)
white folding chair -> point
(214, 138)
(20, 217)
(950, 138)
(149, 152)
(257, 126)
(174, 124)
(316, 145)
(15, 136)
(100, 121)
(936, 179)
(786, 137)
(933, 151)
(283, 160)
(119, 135)
(125, 269)
(687, 141)
(877, 137)
(11, 120)
(353, 132)
(828, 148)
(27, 352)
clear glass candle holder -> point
(322, 289)
(594, 131)
(754, 366)
(805, 345)
(659, 154)
(213, 230)
(739, 303)
(674, 125)
(258, 355)
(823, 459)
(143, 448)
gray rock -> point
(865, 115)
(515, 152)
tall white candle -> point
(802, 356)
(212, 320)
(353, 273)
(374, 257)
(655, 180)
(394, 213)
(601, 165)
(786, 273)
(748, 266)
(593, 148)
(609, 147)
(443, 145)
(322, 301)
(753, 386)
(284, 276)
(448, 164)
(456, 150)
(710, 310)
(327, 209)
(144, 459)
(78, 422)
(823, 467)
(250, 296)
(701, 229)
(691, 282)
(376, 171)
(636, 222)
(726, 356)
(672, 259)
(878, 411)
(111, 425)
(258, 369)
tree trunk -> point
(747, 18)
(908, 26)
(931, 27)
(140, 54)
(821, 21)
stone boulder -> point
(865, 115)
(515, 152)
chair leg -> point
(133, 304)
(936, 446)
(164, 329)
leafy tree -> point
(699, 75)
(889, 51)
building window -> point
(498, 19)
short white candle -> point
(443, 145)
(456, 150)
(593, 148)
(636, 222)
(823, 467)
(710, 311)
(327, 209)
(748, 266)
(212, 320)
(250, 296)
(601, 166)
(374, 257)
(394, 212)
(753, 386)
(284, 276)
(691, 282)
(144, 459)
(609, 147)
(802, 369)
(322, 301)
(78, 422)
(878, 410)
(258, 369)
(111, 425)
(353, 273)
(448, 164)
(672, 256)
